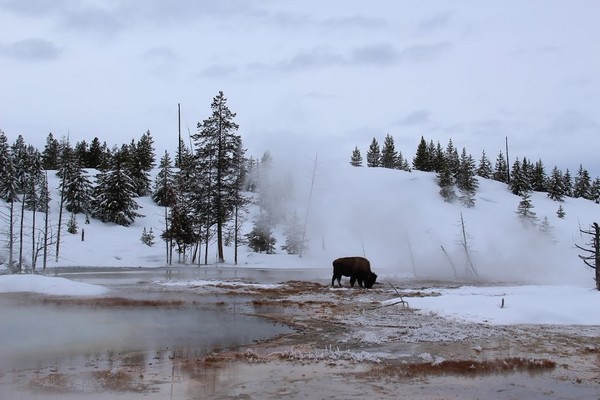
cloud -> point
(416, 117)
(31, 50)
(423, 52)
(381, 54)
(434, 22)
(219, 71)
(571, 122)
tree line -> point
(456, 171)
(204, 190)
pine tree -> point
(114, 197)
(72, 224)
(452, 160)
(356, 160)
(421, 161)
(485, 167)
(261, 239)
(524, 210)
(595, 190)
(180, 227)
(555, 185)
(560, 213)
(94, 154)
(583, 186)
(148, 237)
(403, 164)
(465, 181)
(374, 154)
(164, 184)
(51, 153)
(437, 159)
(539, 179)
(218, 149)
(388, 153)
(519, 183)
(82, 153)
(568, 183)
(500, 169)
(293, 236)
(545, 227)
(78, 191)
(446, 182)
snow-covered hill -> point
(396, 219)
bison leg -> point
(338, 277)
(352, 280)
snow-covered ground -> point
(400, 222)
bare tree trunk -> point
(235, 236)
(33, 257)
(449, 259)
(312, 185)
(21, 232)
(11, 232)
(60, 212)
(472, 270)
(45, 224)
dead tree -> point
(592, 257)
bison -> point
(357, 268)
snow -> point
(48, 285)
(396, 219)
(555, 305)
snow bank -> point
(557, 305)
(48, 285)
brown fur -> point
(357, 268)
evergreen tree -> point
(519, 183)
(139, 173)
(114, 197)
(485, 167)
(78, 191)
(374, 154)
(261, 239)
(389, 155)
(94, 159)
(446, 182)
(51, 153)
(356, 160)
(525, 208)
(72, 224)
(421, 161)
(180, 226)
(560, 213)
(293, 237)
(583, 186)
(595, 190)
(8, 180)
(164, 184)
(500, 169)
(452, 160)
(545, 227)
(555, 185)
(437, 158)
(82, 153)
(539, 179)
(465, 181)
(218, 149)
(148, 237)
(402, 163)
(568, 183)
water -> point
(41, 337)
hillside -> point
(397, 219)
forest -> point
(206, 189)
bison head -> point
(370, 281)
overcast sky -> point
(307, 77)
